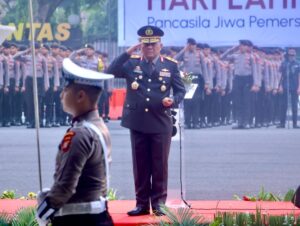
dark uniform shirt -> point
(143, 109)
(290, 72)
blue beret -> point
(37, 45)
(205, 46)
(6, 44)
(245, 42)
(54, 46)
(63, 48)
(191, 41)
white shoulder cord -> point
(103, 144)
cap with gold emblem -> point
(72, 73)
(150, 34)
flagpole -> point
(35, 95)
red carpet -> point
(208, 209)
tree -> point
(102, 23)
(101, 15)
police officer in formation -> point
(43, 81)
(192, 62)
(11, 86)
(53, 74)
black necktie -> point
(150, 67)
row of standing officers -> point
(247, 84)
(16, 82)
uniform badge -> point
(66, 142)
(165, 73)
(134, 85)
(163, 88)
(138, 70)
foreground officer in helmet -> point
(150, 78)
(77, 196)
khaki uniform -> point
(10, 100)
(54, 82)
(192, 62)
(80, 164)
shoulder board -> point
(135, 56)
(171, 59)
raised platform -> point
(207, 209)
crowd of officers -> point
(16, 82)
(244, 84)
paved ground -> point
(218, 163)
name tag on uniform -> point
(138, 70)
(165, 73)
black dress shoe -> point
(188, 126)
(247, 126)
(280, 126)
(296, 127)
(138, 211)
(196, 126)
(48, 125)
(238, 127)
(209, 125)
(258, 125)
(6, 124)
(157, 212)
(30, 126)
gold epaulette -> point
(171, 59)
(135, 56)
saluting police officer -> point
(42, 81)
(53, 74)
(85, 57)
(60, 114)
(192, 63)
(147, 113)
(11, 86)
(77, 196)
(245, 80)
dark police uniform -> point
(150, 123)
(290, 84)
(77, 196)
(2, 82)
